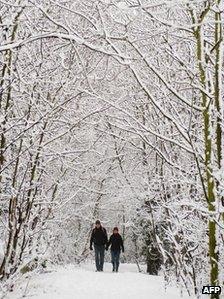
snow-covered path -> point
(83, 283)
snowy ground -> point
(71, 282)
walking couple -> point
(101, 243)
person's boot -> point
(113, 267)
(117, 266)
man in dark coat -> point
(117, 245)
(99, 239)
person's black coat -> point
(98, 236)
(116, 243)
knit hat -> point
(97, 222)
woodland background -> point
(113, 110)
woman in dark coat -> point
(117, 245)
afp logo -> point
(211, 290)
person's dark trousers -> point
(99, 256)
(115, 258)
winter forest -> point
(113, 110)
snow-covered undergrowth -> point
(72, 282)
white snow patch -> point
(122, 5)
(1, 251)
(2, 118)
(83, 283)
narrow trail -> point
(73, 282)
